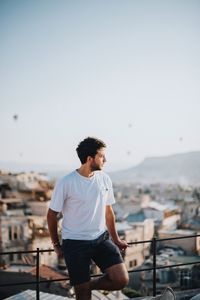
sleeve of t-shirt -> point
(58, 196)
(110, 197)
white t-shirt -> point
(83, 202)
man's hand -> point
(58, 250)
(121, 244)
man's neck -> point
(85, 171)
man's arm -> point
(110, 222)
(53, 230)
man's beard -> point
(95, 167)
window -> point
(21, 232)
(10, 233)
(132, 263)
(11, 256)
(135, 262)
(15, 235)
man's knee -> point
(120, 280)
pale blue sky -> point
(71, 69)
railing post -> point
(38, 275)
(154, 266)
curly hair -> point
(89, 147)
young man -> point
(85, 197)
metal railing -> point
(154, 243)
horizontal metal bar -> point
(43, 281)
(139, 242)
(98, 275)
(18, 283)
(24, 251)
(129, 243)
(178, 265)
(178, 238)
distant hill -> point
(178, 168)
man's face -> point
(99, 160)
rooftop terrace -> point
(38, 281)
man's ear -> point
(89, 158)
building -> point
(14, 229)
(191, 246)
(165, 216)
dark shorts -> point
(79, 254)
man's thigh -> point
(77, 256)
(107, 254)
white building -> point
(165, 216)
(136, 232)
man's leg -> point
(83, 291)
(108, 258)
(115, 278)
(77, 256)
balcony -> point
(36, 284)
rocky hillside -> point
(178, 168)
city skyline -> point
(126, 72)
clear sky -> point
(125, 71)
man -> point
(85, 197)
